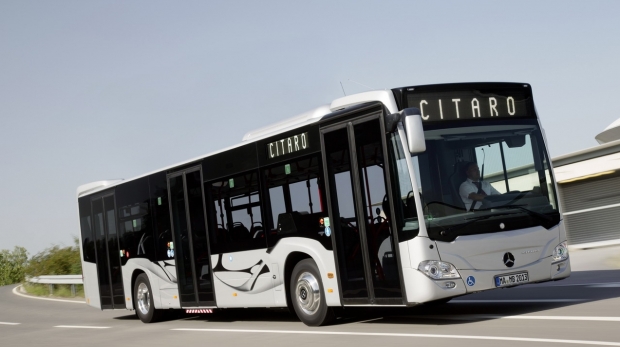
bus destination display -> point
(466, 105)
(287, 145)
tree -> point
(56, 260)
(13, 265)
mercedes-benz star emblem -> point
(509, 259)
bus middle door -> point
(192, 255)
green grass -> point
(60, 290)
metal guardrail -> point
(57, 279)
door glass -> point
(377, 209)
(182, 241)
(116, 275)
(88, 242)
(345, 225)
(102, 254)
(404, 204)
(199, 236)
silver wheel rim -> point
(144, 299)
(308, 293)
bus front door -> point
(191, 246)
(359, 203)
(111, 292)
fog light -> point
(450, 285)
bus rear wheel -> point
(143, 299)
(307, 295)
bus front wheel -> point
(143, 296)
(307, 294)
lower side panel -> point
(164, 288)
(91, 284)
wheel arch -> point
(291, 250)
(134, 276)
(291, 260)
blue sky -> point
(97, 90)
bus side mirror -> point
(415, 132)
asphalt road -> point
(583, 310)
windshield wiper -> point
(471, 221)
(547, 221)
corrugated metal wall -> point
(600, 194)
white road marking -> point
(514, 301)
(16, 292)
(524, 317)
(9, 323)
(465, 337)
(80, 327)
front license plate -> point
(511, 279)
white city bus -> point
(356, 203)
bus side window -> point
(295, 200)
(277, 204)
(134, 220)
(88, 243)
(160, 211)
(235, 203)
(305, 196)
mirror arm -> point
(411, 118)
(391, 122)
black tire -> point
(308, 295)
(143, 300)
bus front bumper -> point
(541, 271)
(421, 289)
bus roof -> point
(384, 96)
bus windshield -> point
(486, 177)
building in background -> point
(589, 188)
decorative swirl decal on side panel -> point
(228, 277)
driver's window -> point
(519, 175)
(489, 159)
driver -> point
(473, 189)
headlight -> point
(560, 252)
(438, 270)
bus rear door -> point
(107, 250)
